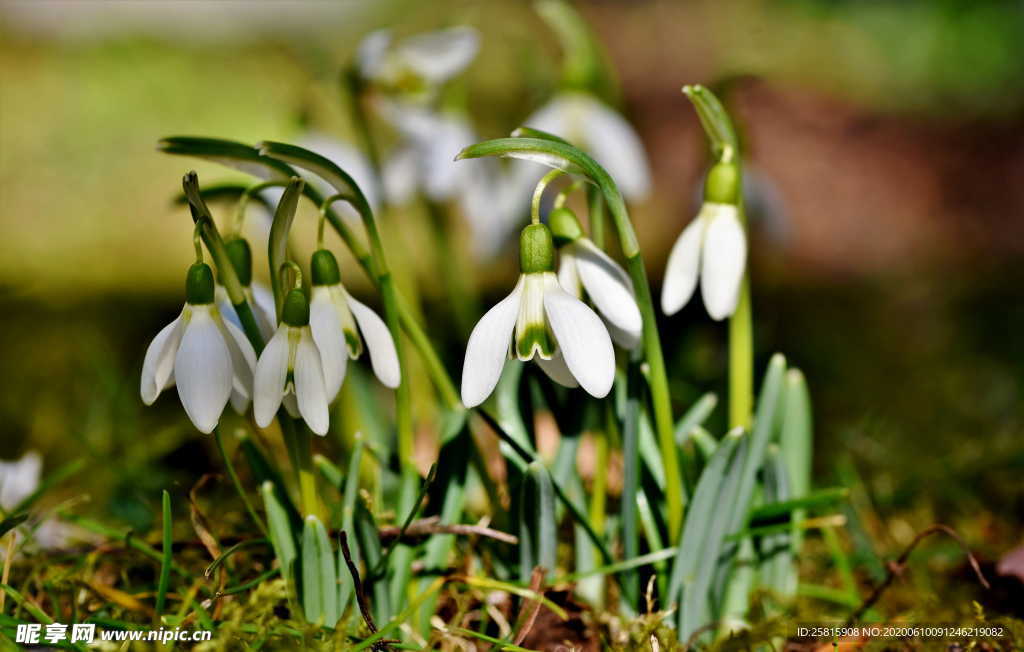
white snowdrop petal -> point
(372, 53)
(223, 301)
(441, 179)
(440, 55)
(243, 365)
(400, 176)
(263, 307)
(271, 373)
(158, 365)
(330, 341)
(202, 369)
(309, 385)
(568, 274)
(582, 339)
(557, 370)
(609, 288)
(682, 268)
(722, 263)
(383, 355)
(613, 143)
(488, 348)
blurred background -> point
(886, 151)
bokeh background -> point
(885, 139)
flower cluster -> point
(206, 354)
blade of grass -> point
(130, 541)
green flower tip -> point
(565, 226)
(240, 254)
(296, 308)
(723, 183)
(536, 249)
(324, 268)
(199, 284)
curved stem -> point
(538, 194)
(243, 203)
(563, 196)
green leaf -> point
(778, 572)
(233, 154)
(530, 132)
(796, 435)
(696, 596)
(319, 165)
(319, 577)
(165, 564)
(695, 416)
(11, 522)
(281, 536)
(767, 405)
(329, 471)
(701, 517)
(715, 120)
(775, 509)
(547, 527)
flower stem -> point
(538, 194)
(660, 397)
(238, 483)
(741, 360)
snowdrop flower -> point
(291, 370)
(259, 296)
(542, 322)
(583, 266)
(713, 247)
(207, 357)
(596, 128)
(417, 66)
(336, 319)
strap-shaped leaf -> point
(319, 576)
(562, 156)
(281, 536)
(233, 154)
(319, 165)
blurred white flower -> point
(290, 370)
(18, 479)
(714, 248)
(597, 129)
(416, 66)
(490, 197)
(208, 358)
(337, 319)
(542, 322)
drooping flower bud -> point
(536, 249)
(199, 287)
(565, 226)
(722, 185)
(324, 268)
(296, 308)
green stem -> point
(660, 397)
(238, 483)
(741, 361)
(304, 468)
(595, 216)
